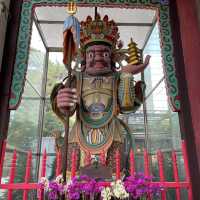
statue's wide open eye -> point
(91, 55)
(106, 55)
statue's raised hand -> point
(135, 69)
(66, 98)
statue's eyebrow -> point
(100, 50)
(90, 50)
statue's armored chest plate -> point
(97, 94)
(98, 97)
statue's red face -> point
(98, 60)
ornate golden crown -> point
(98, 30)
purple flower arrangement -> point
(141, 187)
(138, 187)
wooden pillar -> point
(186, 36)
(7, 66)
(4, 7)
(198, 9)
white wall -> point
(4, 9)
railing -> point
(26, 185)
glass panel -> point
(56, 71)
(29, 91)
(136, 126)
(181, 166)
(20, 171)
(3, 193)
(126, 14)
(168, 167)
(154, 167)
(163, 142)
(163, 125)
(139, 165)
(24, 122)
(49, 143)
(184, 194)
(22, 134)
(154, 72)
(36, 60)
(23, 127)
(136, 32)
(129, 15)
(59, 14)
(51, 122)
(158, 99)
(53, 38)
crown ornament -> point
(98, 30)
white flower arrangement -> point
(59, 179)
(118, 190)
(44, 181)
(106, 193)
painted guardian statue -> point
(100, 92)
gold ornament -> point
(71, 8)
(134, 53)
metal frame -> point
(59, 49)
(118, 23)
(150, 32)
(42, 110)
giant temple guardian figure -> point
(99, 92)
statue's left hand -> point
(135, 69)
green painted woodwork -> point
(24, 36)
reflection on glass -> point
(136, 122)
(163, 125)
(158, 99)
(30, 91)
(56, 71)
(51, 166)
(19, 173)
(23, 133)
(154, 72)
(51, 122)
(49, 144)
(136, 32)
(36, 60)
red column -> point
(186, 36)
